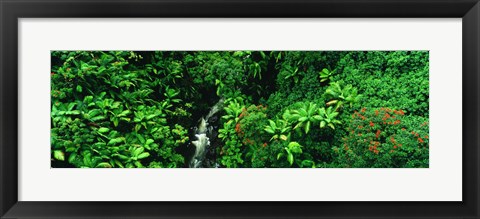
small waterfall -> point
(202, 141)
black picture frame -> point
(12, 10)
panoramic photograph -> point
(239, 109)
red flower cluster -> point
(386, 109)
(372, 129)
(386, 116)
(392, 139)
(377, 135)
(420, 140)
(373, 146)
(399, 112)
(238, 130)
(355, 114)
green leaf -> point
(72, 157)
(149, 141)
(272, 124)
(122, 157)
(290, 158)
(103, 130)
(331, 125)
(104, 165)
(73, 112)
(87, 99)
(115, 122)
(138, 127)
(332, 102)
(308, 163)
(141, 138)
(269, 130)
(79, 89)
(279, 155)
(143, 155)
(124, 113)
(298, 125)
(118, 163)
(97, 118)
(116, 140)
(94, 112)
(307, 127)
(70, 106)
(138, 164)
(86, 161)
(59, 155)
(294, 147)
(116, 104)
(138, 151)
(322, 124)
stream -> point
(203, 132)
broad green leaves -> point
(293, 148)
(280, 129)
(304, 116)
(327, 117)
(340, 95)
(309, 114)
(104, 104)
(233, 109)
(326, 75)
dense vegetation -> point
(276, 109)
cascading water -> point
(202, 141)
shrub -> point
(380, 138)
(395, 79)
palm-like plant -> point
(291, 72)
(327, 117)
(170, 97)
(339, 95)
(304, 116)
(280, 129)
(233, 109)
(325, 75)
(292, 148)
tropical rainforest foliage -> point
(327, 109)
